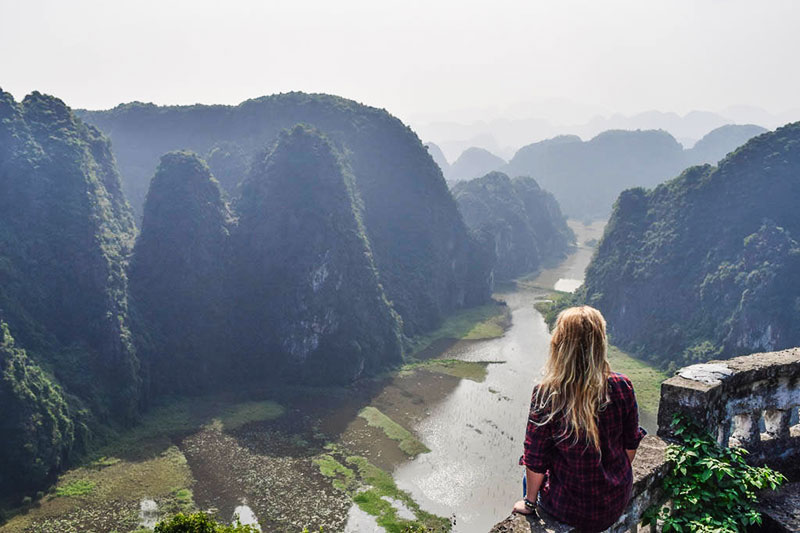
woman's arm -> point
(533, 481)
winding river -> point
(475, 434)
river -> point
(475, 434)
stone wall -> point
(730, 399)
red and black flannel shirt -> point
(585, 488)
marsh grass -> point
(107, 499)
(78, 487)
(472, 370)
(407, 442)
(368, 485)
(477, 323)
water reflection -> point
(245, 515)
(568, 284)
(475, 435)
(148, 514)
(359, 521)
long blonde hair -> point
(574, 388)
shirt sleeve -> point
(632, 433)
(539, 445)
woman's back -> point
(586, 487)
(583, 428)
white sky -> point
(421, 60)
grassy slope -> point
(646, 379)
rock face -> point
(707, 264)
(178, 275)
(65, 235)
(305, 269)
(419, 243)
(474, 162)
(586, 177)
(523, 221)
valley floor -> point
(354, 459)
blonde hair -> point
(574, 388)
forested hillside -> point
(419, 243)
(325, 254)
(707, 264)
(586, 177)
(65, 235)
(179, 276)
(302, 247)
(522, 221)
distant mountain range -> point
(586, 177)
(504, 136)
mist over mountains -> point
(526, 123)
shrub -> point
(712, 488)
(199, 523)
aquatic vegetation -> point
(373, 490)
(78, 487)
(472, 370)
(405, 439)
(477, 323)
(329, 467)
(382, 485)
(183, 415)
(108, 498)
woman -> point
(583, 429)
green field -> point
(646, 379)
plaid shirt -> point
(583, 488)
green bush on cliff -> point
(711, 487)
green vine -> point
(712, 488)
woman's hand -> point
(521, 508)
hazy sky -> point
(421, 60)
